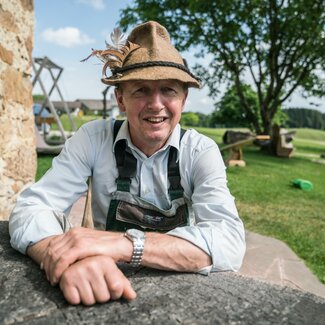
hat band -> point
(154, 64)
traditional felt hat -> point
(147, 55)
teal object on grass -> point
(303, 184)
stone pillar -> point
(17, 137)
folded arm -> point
(83, 262)
(89, 280)
(161, 251)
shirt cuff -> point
(34, 229)
(205, 270)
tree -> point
(278, 44)
(190, 119)
(230, 113)
(38, 98)
(305, 118)
(204, 119)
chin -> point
(157, 137)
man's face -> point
(153, 108)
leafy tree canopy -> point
(38, 97)
(278, 44)
(190, 119)
(305, 118)
(230, 113)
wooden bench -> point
(281, 141)
(235, 149)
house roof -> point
(87, 104)
(71, 104)
(97, 104)
(92, 104)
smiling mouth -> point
(156, 119)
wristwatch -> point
(137, 237)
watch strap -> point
(137, 238)
(138, 248)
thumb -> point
(129, 293)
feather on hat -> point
(147, 54)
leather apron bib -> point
(130, 211)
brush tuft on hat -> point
(117, 38)
(115, 54)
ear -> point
(119, 99)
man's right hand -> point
(95, 279)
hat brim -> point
(153, 73)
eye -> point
(168, 91)
(140, 91)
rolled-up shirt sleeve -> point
(217, 228)
(41, 210)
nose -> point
(156, 101)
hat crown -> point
(148, 54)
(154, 44)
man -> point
(159, 195)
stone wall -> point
(17, 138)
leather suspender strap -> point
(125, 161)
(117, 126)
(127, 165)
(175, 188)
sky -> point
(67, 30)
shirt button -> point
(145, 191)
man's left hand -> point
(79, 243)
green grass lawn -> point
(270, 205)
(77, 120)
(267, 201)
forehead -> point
(151, 83)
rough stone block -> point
(8, 21)
(17, 136)
(5, 55)
(163, 298)
(16, 88)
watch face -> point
(135, 233)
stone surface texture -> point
(266, 259)
(272, 260)
(163, 298)
(17, 137)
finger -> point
(57, 268)
(80, 245)
(129, 293)
(61, 260)
(50, 252)
(53, 260)
(71, 294)
(86, 293)
(100, 289)
(77, 244)
(64, 253)
(47, 255)
(118, 285)
(76, 287)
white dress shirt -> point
(215, 227)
